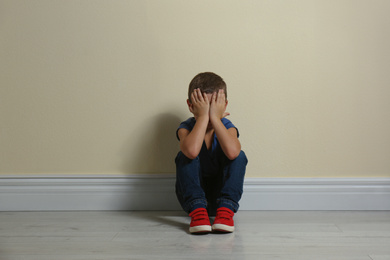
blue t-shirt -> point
(210, 159)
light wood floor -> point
(116, 235)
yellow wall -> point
(99, 87)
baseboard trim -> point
(156, 192)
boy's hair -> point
(207, 82)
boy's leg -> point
(188, 183)
(232, 182)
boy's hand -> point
(200, 106)
(218, 105)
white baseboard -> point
(157, 192)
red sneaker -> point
(224, 220)
(200, 222)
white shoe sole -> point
(200, 229)
(223, 228)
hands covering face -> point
(202, 106)
(218, 105)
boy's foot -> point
(224, 221)
(200, 222)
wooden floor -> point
(118, 235)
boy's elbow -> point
(191, 154)
(233, 152)
(233, 155)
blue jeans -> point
(197, 189)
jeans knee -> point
(179, 157)
(182, 159)
(242, 158)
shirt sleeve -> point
(188, 124)
(228, 124)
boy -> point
(210, 167)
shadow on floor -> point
(178, 220)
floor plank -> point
(357, 235)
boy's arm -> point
(191, 142)
(227, 138)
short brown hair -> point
(207, 82)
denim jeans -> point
(197, 189)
